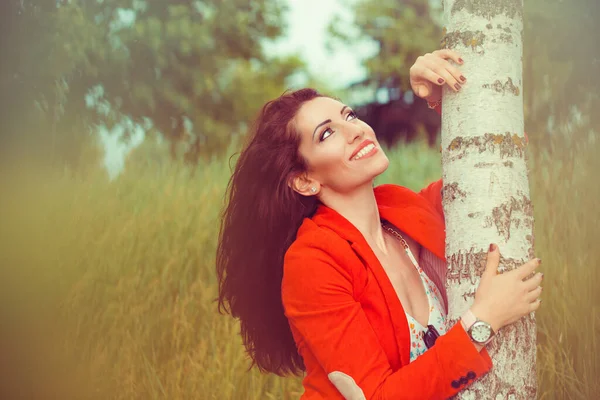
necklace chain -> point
(396, 234)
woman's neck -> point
(360, 208)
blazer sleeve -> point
(318, 300)
(433, 194)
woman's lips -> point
(369, 154)
(361, 146)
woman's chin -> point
(377, 168)
(382, 164)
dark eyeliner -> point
(350, 112)
(323, 133)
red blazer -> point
(346, 319)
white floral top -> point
(437, 314)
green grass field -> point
(109, 286)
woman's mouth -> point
(365, 152)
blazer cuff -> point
(479, 361)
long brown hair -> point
(259, 223)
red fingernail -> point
(460, 60)
(462, 78)
(492, 247)
(440, 80)
(457, 86)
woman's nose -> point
(354, 133)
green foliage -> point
(185, 58)
(158, 59)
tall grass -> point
(109, 286)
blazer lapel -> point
(410, 213)
(397, 313)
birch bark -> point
(486, 187)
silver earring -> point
(313, 189)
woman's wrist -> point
(478, 346)
(484, 316)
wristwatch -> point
(479, 331)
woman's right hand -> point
(433, 70)
(502, 299)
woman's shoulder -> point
(318, 238)
(317, 244)
(390, 190)
(396, 196)
(316, 259)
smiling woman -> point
(344, 281)
(336, 150)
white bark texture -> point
(486, 188)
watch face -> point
(481, 331)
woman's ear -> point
(304, 185)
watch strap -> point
(469, 319)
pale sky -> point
(307, 24)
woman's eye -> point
(324, 136)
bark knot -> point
(503, 88)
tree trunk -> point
(486, 188)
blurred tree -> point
(401, 29)
(166, 60)
(44, 47)
(561, 62)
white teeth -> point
(364, 151)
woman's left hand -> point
(432, 70)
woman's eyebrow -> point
(326, 122)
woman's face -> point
(342, 151)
